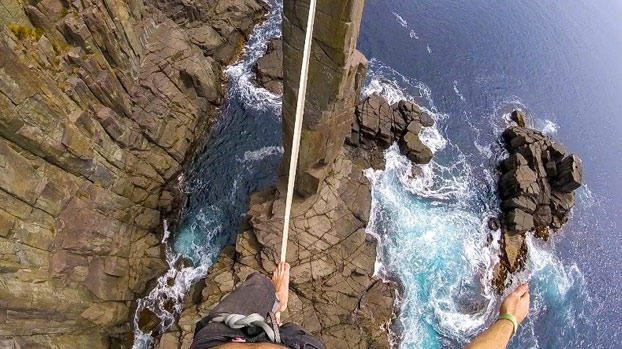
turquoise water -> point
(438, 249)
(433, 234)
(471, 62)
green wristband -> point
(512, 319)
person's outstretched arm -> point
(499, 334)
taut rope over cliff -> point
(300, 108)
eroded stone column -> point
(336, 74)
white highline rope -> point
(300, 108)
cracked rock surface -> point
(101, 103)
(333, 292)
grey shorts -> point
(255, 295)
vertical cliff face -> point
(336, 73)
(100, 104)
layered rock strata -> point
(101, 102)
(537, 187)
(336, 73)
(333, 292)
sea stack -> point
(334, 293)
(536, 187)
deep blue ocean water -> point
(469, 64)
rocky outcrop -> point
(334, 293)
(377, 125)
(269, 68)
(101, 103)
(536, 186)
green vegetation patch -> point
(22, 32)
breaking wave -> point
(241, 74)
(260, 154)
(458, 93)
(400, 20)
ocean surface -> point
(469, 63)
(472, 62)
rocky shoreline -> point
(103, 103)
(334, 292)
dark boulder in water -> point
(570, 174)
(378, 124)
(494, 224)
(414, 149)
(426, 120)
(536, 184)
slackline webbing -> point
(300, 108)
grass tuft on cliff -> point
(22, 32)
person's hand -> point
(517, 303)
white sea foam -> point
(549, 127)
(400, 20)
(260, 154)
(164, 292)
(433, 230)
(413, 35)
(433, 235)
(394, 87)
(241, 74)
(458, 91)
(485, 150)
(429, 49)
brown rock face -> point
(100, 104)
(377, 125)
(269, 68)
(333, 293)
(336, 73)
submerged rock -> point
(494, 224)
